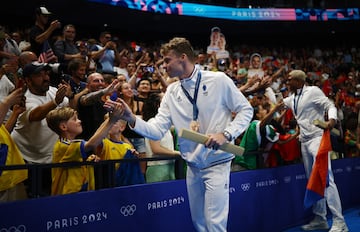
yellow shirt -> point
(114, 150)
(10, 155)
(71, 179)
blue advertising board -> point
(260, 200)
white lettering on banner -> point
(157, 205)
(348, 169)
(60, 224)
(251, 14)
(357, 167)
(266, 183)
(269, 14)
(338, 170)
(300, 177)
(166, 203)
(232, 190)
(287, 179)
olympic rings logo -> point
(245, 187)
(199, 10)
(19, 228)
(128, 210)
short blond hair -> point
(57, 116)
(179, 45)
(298, 74)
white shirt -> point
(122, 71)
(308, 105)
(6, 87)
(167, 141)
(10, 46)
(35, 139)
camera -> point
(149, 69)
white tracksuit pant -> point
(208, 191)
(309, 150)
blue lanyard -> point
(296, 103)
(193, 100)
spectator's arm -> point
(91, 98)
(162, 80)
(277, 73)
(270, 114)
(132, 80)
(10, 123)
(157, 149)
(47, 33)
(40, 112)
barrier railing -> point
(104, 170)
(103, 181)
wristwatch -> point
(228, 136)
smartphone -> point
(21, 84)
(279, 97)
(113, 96)
(149, 69)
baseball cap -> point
(34, 68)
(42, 10)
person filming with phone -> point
(105, 54)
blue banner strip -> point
(238, 14)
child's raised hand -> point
(118, 110)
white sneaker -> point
(316, 224)
(339, 227)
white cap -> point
(43, 10)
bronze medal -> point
(194, 125)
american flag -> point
(47, 55)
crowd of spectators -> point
(82, 73)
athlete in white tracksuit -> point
(208, 170)
(309, 103)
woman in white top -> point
(160, 170)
